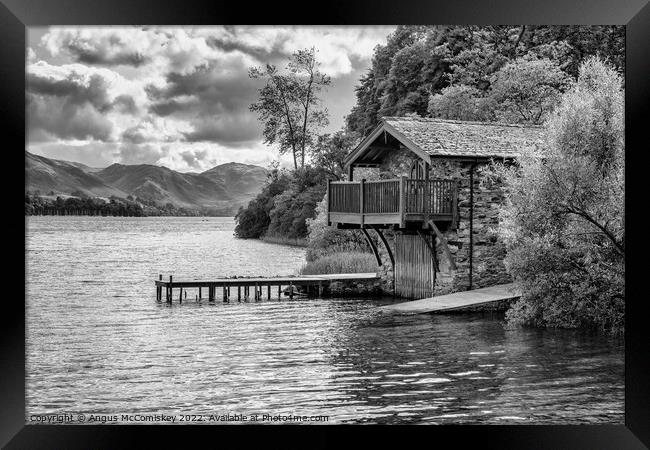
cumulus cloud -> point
(201, 156)
(101, 56)
(234, 129)
(58, 118)
(174, 49)
(214, 100)
(194, 159)
(125, 104)
(102, 46)
(131, 153)
(182, 49)
(134, 135)
(338, 47)
(75, 88)
(74, 101)
(216, 86)
(153, 129)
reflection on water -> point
(98, 343)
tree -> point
(522, 91)
(418, 62)
(563, 221)
(571, 44)
(408, 82)
(478, 53)
(330, 151)
(289, 105)
(379, 90)
(460, 103)
(527, 90)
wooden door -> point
(414, 271)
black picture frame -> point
(16, 15)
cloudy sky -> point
(177, 96)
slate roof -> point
(439, 137)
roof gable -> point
(456, 138)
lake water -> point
(98, 343)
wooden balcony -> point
(392, 202)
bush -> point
(253, 221)
(297, 204)
(284, 206)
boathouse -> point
(422, 178)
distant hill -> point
(63, 177)
(243, 180)
(226, 186)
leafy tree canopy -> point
(418, 62)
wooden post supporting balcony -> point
(443, 242)
(402, 201)
(361, 194)
(426, 199)
(329, 202)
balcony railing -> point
(392, 201)
(434, 197)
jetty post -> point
(159, 289)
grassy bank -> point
(341, 262)
(297, 242)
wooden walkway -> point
(456, 301)
(227, 288)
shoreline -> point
(294, 242)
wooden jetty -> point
(253, 288)
(457, 301)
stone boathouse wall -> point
(488, 252)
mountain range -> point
(226, 186)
